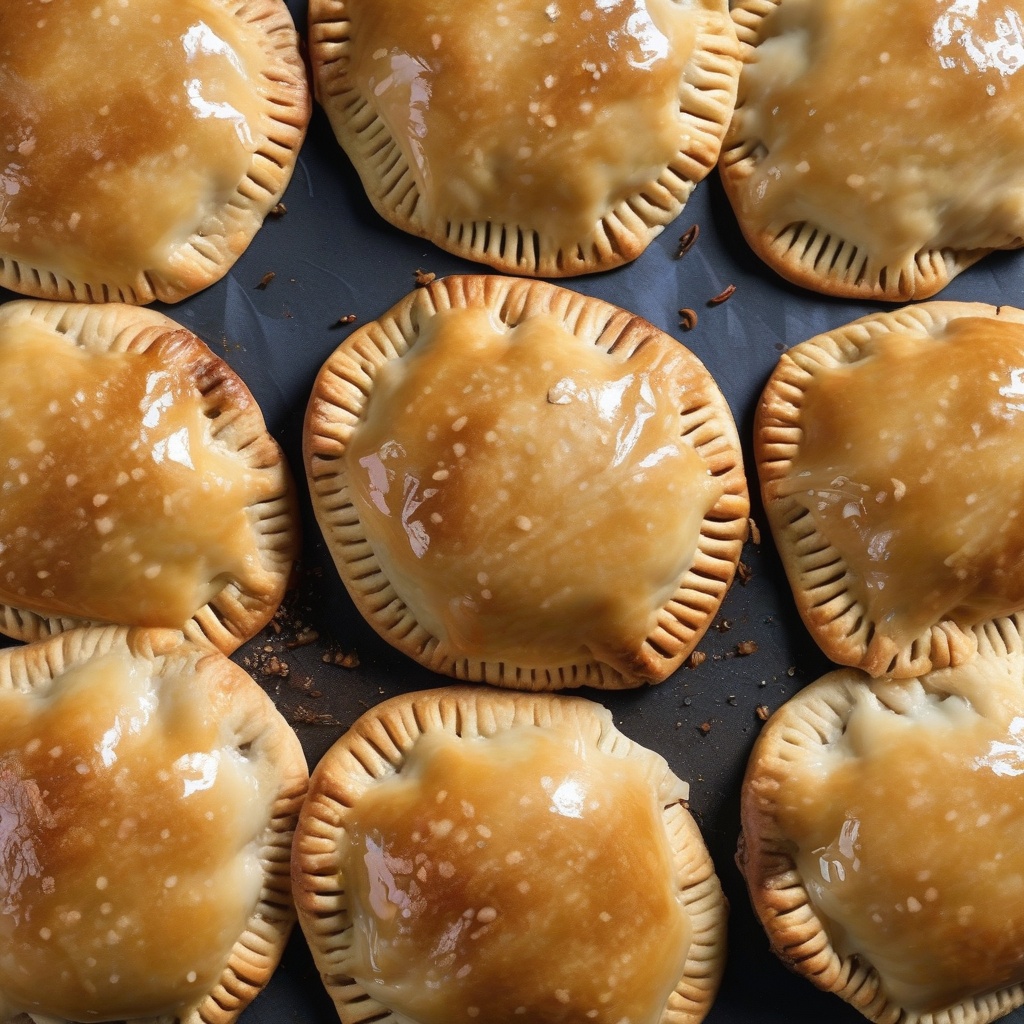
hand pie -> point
(139, 483)
(891, 457)
(141, 144)
(149, 791)
(524, 486)
(542, 139)
(883, 830)
(877, 148)
(470, 854)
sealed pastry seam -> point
(250, 725)
(818, 246)
(375, 751)
(847, 949)
(337, 407)
(830, 590)
(228, 425)
(192, 248)
(382, 155)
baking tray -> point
(331, 255)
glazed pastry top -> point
(489, 859)
(528, 494)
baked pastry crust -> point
(240, 547)
(142, 187)
(246, 721)
(557, 170)
(376, 748)
(877, 445)
(456, 633)
(938, 733)
(875, 152)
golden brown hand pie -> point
(891, 458)
(883, 829)
(471, 854)
(526, 486)
(141, 144)
(149, 791)
(541, 138)
(876, 149)
(139, 483)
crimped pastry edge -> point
(235, 614)
(336, 405)
(706, 99)
(809, 721)
(222, 236)
(808, 254)
(258, 950)
(817, 572)
(375, 748)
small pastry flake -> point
(525, 486)
(542, 139)
(150, 791)
(140, 485)
(149, 180)
(876, 149)
(472, 854)
(883, 823)
(892, 468)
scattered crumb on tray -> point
(687, 240)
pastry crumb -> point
(687, 240)
(344, 659)
(687, 318)
(755, 532)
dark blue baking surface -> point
(331, 255)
